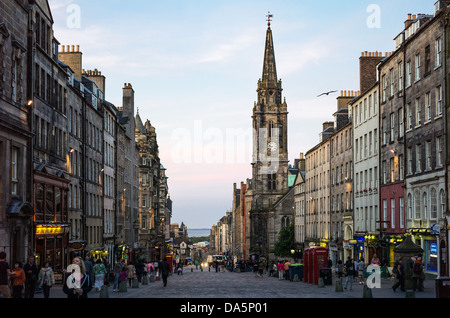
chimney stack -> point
(368, 69)
(73, 58)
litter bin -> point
(325, 273)
(296, 269)
(443, 287)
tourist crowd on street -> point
(87, 275)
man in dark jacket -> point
(400, 276)
(139, 270)
(31, 274)
(164, 267)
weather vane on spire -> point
(269, 18)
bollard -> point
(296, 278)
(123, 287)
(152, 278)
(367, 292)
(104, 293)
(192, 270)
(135, 283)
(144, 280)
(321, 282)
(339, 286)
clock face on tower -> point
(272, 146)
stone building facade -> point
(341, 176)
(16, 211)
(424, 135)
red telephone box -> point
(170, 261)
(319, 259)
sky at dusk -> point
(194, 66)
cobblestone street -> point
(232, 285)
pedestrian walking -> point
(18, 280)
(255, 269)
(180, 268)
(89, 265)
(78, 283)
(5, 272)
(150, 268)
(99, 270)
(117, 269)
(139, 270)
(375, 260)
(340, 269)
(131, 273)
(31, 276)
(350, 272)
(165, 270)
(418, 275)
(361, 266)
(108, 270)
(286, 269)
(261, 266)
(123, 276)
(280, 268)
(400, 270)
(46, 279)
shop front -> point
(51, 241)
(429, 243)
(51, 225)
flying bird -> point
(327, 93)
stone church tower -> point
(270, 151)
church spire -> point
(269, 67)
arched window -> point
(285, 221)
(417, 205)
(271, 126)
(434, 202)
(410, 207)
(425, 205)
(442, 204)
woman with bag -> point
(46, 279)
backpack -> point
(45, 279)
(417, 267)
(395, 269)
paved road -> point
(237, 286)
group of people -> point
(356, 271)
(21, 280)
(79, 279)
(418, 274)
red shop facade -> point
(51, 222)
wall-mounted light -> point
(30, 102)
(394, 151)
(71, 150)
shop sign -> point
(433, 248)
(352, 242)
(435, 229)
(45, 230)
